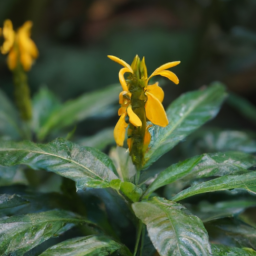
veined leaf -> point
(244, 181)
(19, 234)
(79, 109)
(9, 201)
(172, 230)
(88, 167)
(206, 165)
(222, 250)
(87, 246)
(186, 114)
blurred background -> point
(213, 39)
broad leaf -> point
(222, 250)
(123, 162)
(9, 119)
(242, 105)
(10, 201)
(44, 103)
(208, 212)
(88, 167)
(186, 114)
(19, 234)
(100, 140)
(11, 175)
(172, 230)
(206, 165)
(76, 110)
(87, 246)
(244, 181)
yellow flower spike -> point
(121, 78)
(119, 131)
(164, 67)
(170, 75)
(156, 90)
(155, 111)
(121, 62)
(133, 118)
(9, 36)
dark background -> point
(213, 39)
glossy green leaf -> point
(208, 212)
(19, 234)
(244, 181)
(44, 103)
(9, 119)
(123, 162)
(78, 109)
(222, 250)
(88, 167)
(10, 201)
(206, 165)
(172, 230)
(87, 246)
(11, 175)
(100, 140)
(131, 191)
(242, 105)
(186, 114)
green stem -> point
(138, 238)
(137, 178)
(142, 239)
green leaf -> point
(206, 165)
(172, 230)
(244, 181)
(9, 119)
(131, 191)
(246, 108)
(10, 201)
(208, 212)
(186, 114)
(87, 246)
(44, 103)
(100, 140)
(123, 162)
(19, 234)
(217, 140)
(88, 167)
(222, 250)
(11, 175)
(76, 110)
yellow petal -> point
(26, 61)
(122, 110)
(147, 138)
(133, 118)
(121, 62)
(124, 97)
(170, 75)
(155, 111)
(164, 67)
(9, 36)
(12, 59)
(121, 78)
(119, 131)
(156, 90)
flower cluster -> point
(19, 45)
(154, 96)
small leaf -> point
(222, 250)
(131, 191)
(206, 165)
(10, 201)
(172, 230)
(88, 167)
(186, 114)
(244, 181)
(19, 234)
(76, 110)
(87, 246)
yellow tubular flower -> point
(19, 45)
(130, 99)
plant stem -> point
(142, 239)
(138, 238)
(137, 178)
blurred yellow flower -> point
(154, 97)
(19, 45)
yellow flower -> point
(19, 45)
(154, 97)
